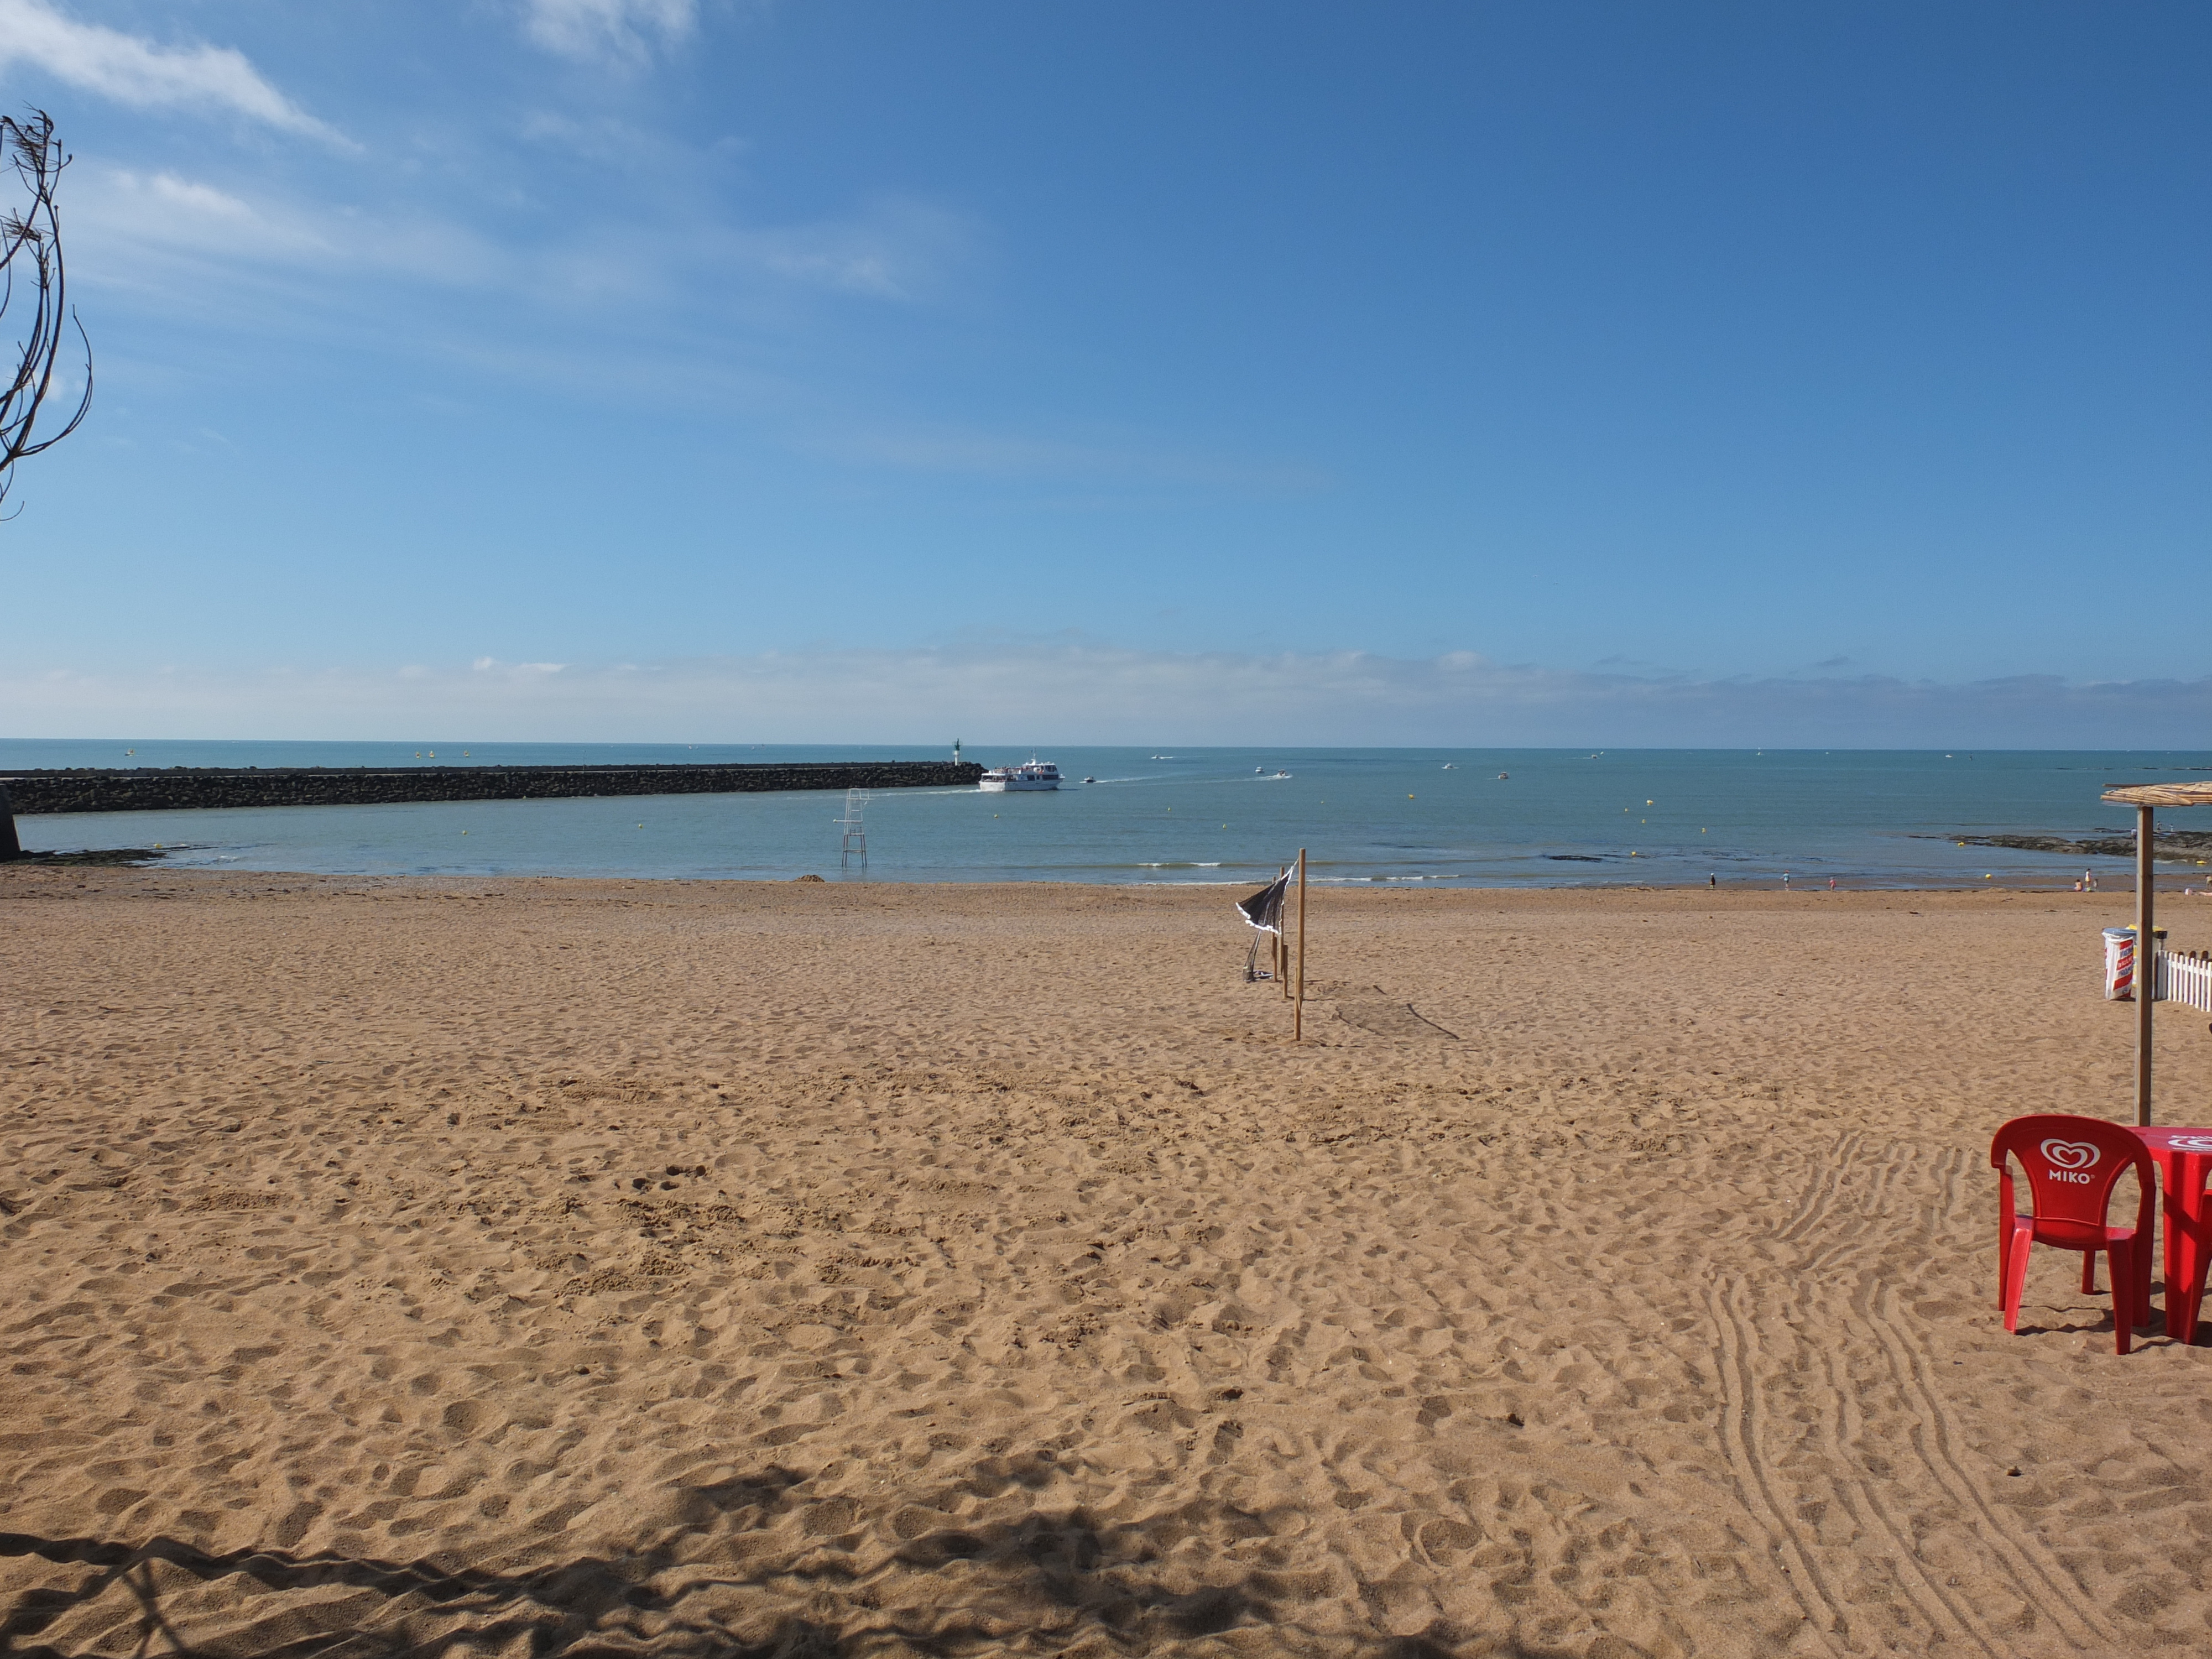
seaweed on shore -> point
(93, 855)
(2166, 844)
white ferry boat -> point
(1035, 775)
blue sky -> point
(705, 370)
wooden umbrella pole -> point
(2146, 986)
(1298, 1006)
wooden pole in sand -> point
(1281, 948)
(1298, 1006)
(2146, 962)
(10, 846)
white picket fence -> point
(2186, 979)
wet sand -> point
(551, 1267)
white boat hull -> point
(1033, 774)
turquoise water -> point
(1557, 818)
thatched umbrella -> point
(2147, 798)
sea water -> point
(1541, 817)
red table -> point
(2184, 1156)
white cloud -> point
(946, 448)
(164, 209)
(125, 218)
(131, 70)
(697, 314)
(134, 228)
(1072, 691)
(598, 30)
(891, 249)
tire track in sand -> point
(1741, 1413)
(2036, 1576)
(2029, 1562)
(1813, 1206)
(1844, 1428)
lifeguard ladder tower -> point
(855, 839)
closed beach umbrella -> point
(2147, 798)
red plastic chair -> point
(2072, 1165)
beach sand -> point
(534, 1266)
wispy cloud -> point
(187, 242)
(944, 448)
(128, 219)
(133, 69)
(621, 31)
(892, 249)
(1076, 691)
(164, 208)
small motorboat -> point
(1090, 779)
(1282, 775)
(1502, 776)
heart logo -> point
(2192, 1143)
(2070, 1154)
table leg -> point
(2169, 1204)
(2185, 1244)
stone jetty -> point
(172, 788)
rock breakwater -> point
(2171, 844)
(174, 788)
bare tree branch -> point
(31, 245)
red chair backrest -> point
(2071, 1164)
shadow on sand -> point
(732, 1581)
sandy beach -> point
(539, 1267)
